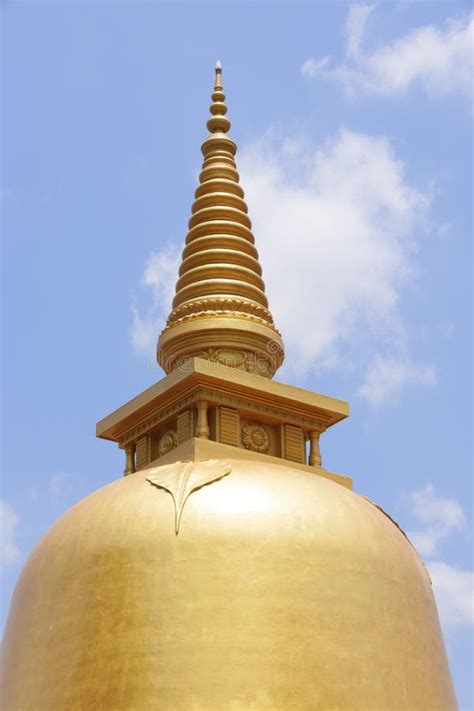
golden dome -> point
(282, 591)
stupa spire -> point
(220, 310)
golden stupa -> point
(228, 570)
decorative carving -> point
(212, 354)
(252, 363)
(256, 438)
(182, 478)
(196, 309)
(168, 441)
(249, 361)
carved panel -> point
(293, 443)
(143, 452)
(228, 426)
(185, 426)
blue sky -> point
(354, 127)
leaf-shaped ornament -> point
(182, 478)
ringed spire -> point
(220, 310)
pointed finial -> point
(218, 82)
(220, 310)
(218, 122)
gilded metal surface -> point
(283, 592)
(220, 311)
(182, 478)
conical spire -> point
(220, 311)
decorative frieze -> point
(213, 396)
(154, 418)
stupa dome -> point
(282, 590)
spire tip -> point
(218, 66)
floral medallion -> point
(168, 442)
(256, 438)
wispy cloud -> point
(159, 278)
(440, 516)
(313, 67)
(437, 518)
(9, 520)
(438, 60)
(61, 484)
(454, 590)
(356, 22)
(386, 376)
(337, 228)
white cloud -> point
(386, 376)
(430, 508)
(9, 520)
(60, 484)
(441, 516)
(438, 60)
(312, 67)
(159, 276)
(454, 592)
(337, 230)
(355, 25)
